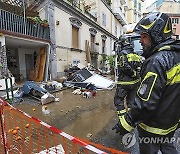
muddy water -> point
(74, 114)
(89, 123)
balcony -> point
(120, 16)
(94, 48)
(74, 3)
(91, 16)
(17, 24)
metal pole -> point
(11, 86)
(7, 88)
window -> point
(103, 46)
(116, 30)
(140, 7)
(111, 50)
(75, 37)
(103, 19)
(135, 17)
(92, 42)
(175, 20)
(76, 24)
(135, 3)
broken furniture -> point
(34, 90)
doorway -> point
(29, 64)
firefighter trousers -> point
(122, 92)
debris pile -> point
(40, 92)
(87, 92)
(83, 77)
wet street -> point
(87, 118)
(90, 119)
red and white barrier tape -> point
(73, 139)
(3, 124)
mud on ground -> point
(91, 119)
(88, 118)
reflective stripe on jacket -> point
(157, 102)
(129, 66)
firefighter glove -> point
(120, 129)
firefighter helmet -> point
(157, 25)
(124, 40)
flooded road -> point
(87, 118)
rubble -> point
(83, 77)
(39, 91)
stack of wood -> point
(38, 73)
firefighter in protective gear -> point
(155, 111)
(128, 63)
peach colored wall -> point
(177, 26)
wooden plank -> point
(37, 67)
(41, 65)
(88, 55)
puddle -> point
(74, 114)
(90, 122)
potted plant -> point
(44, 23)
(111, 60)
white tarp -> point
(100, 82)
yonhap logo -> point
(129, 140)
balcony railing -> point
(90, 16)
(119, 15)
(17, 24)
(74, 3)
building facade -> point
(79, 27)
(20, 43)
(172, 9)
(80, 31)
(135, 11)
